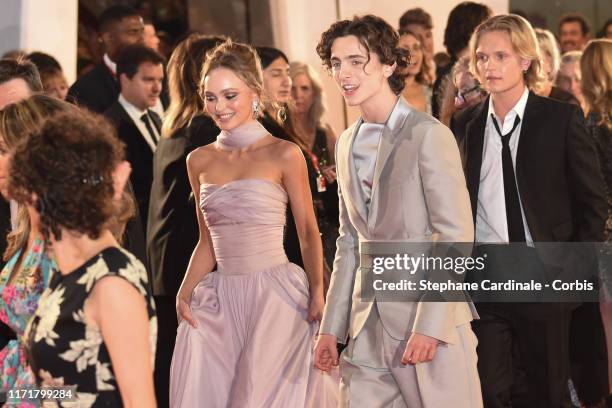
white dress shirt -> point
(136, 115)
(491, 222)
(365, 149)
(110, 64)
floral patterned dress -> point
(63, 349)
(18, 302)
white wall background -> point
(298, 25)
(41, 25)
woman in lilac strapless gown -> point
(247, 328)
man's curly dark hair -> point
(461, 23)
(67, 166)
(376, 36)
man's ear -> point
(388, 70)
(105, 37)
(120, 178)
(123, 80)
(525, 64)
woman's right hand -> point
(183, 312)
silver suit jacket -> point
(419, 194)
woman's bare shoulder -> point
(285, 149)
(201, 155)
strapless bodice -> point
(246, 220)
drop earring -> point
(282, 114)
(255, 108)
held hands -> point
(183, 312)
(325, 352)
(420, 349)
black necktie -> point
(155, 119)
(514, 217)
(147, 121)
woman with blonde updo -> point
(246, 329)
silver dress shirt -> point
(365, 148)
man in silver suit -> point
(399, 180)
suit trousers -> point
(523, 347)
(523, 354)
(372, 375)
(588, 354)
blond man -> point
(531, 171)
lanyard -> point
(321, 183)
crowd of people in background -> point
(99, 214)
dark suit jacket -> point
(138, 153)
(558, 178)
(172, 230)
(97, 90)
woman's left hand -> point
(315, 310)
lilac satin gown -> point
(253, 345)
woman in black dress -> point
(273, 116)
(95, 326)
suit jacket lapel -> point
(112, 83)
(528, 137)
(387, 140)
(528, 144)
(393, 126)
(142, 141)
(128, 119)
(474, 139)
(351, 187)
(136, 138)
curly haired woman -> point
(71, 175)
